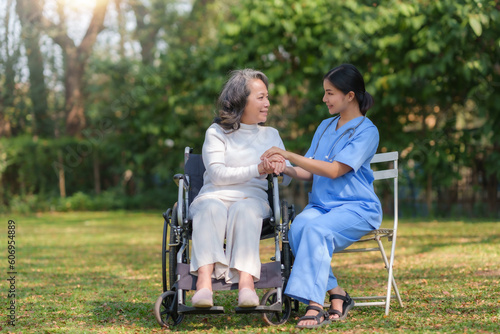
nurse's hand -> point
(274, 151)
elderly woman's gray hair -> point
(233, 98)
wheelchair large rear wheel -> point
(164, 251)
(286, 255)
(174, 249)
(276, 318)
(166, 308)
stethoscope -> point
(353, 129)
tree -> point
(75, 61)
(30, 21)
(149, 22)
(9, 60)
(429, 60)
(424, 62)
(433, 68)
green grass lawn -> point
(100, 272)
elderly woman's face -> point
(257, 103)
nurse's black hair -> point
(347, 78)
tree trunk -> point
(62, 180)
(75, 104)
(97, 174)
(121, 28)
(76, 59)
(492, 191)
(191, 27)
(146, 32)
(200, 19)
(428, 194)
(491, 185)
(30, 21)
(7, 93)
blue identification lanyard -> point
(353, 129)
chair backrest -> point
(388, 173)
(194, 168)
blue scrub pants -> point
(314, 236)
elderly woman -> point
(233, 200)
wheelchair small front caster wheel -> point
(276, 318)
(166, 308)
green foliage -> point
(418, 61)
(29, 171)
(432, 67)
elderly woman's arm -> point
(214, 158)
(307, 167)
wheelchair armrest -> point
(184, 177)
(177, 177)
(279, 176)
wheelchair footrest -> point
(199, 310)
(276, 307)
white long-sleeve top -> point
(231, 161)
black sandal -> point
(346, 306)
(317, 317)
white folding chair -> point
(390, 158)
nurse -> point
(342, 203)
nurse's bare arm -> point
(322, 168)
(298, 173)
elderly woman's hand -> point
(266, 167)
(275, 164)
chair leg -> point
(393, 249)
(398, 297)
(391, 282)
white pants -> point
(240, 223)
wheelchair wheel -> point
(164, 245)
(173, 250)
(166, 308)
(286, 255)
(276, 318)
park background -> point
(98, 99)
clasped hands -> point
(273, 161)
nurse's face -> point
(335, 100)
(257, 103)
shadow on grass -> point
(428, 241)
(125, 313)
(227, 321)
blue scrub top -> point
(353, 190)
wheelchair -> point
(275, 307)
